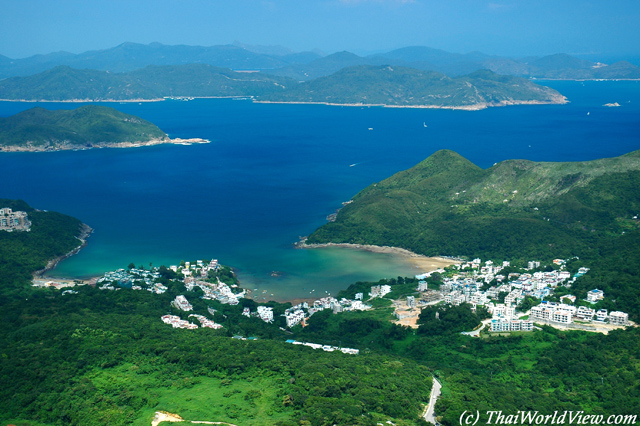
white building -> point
(504, 324)
(601, 315)
(618, 318)
(265, 313)
(595, 295)
(411, 302)
(561, 316)
(294, 317)
(503, 311)
(181, 303)
(585, 314)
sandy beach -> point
(421, 263)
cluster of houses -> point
(465, 287)
(136, 279)
(265, 313)
(326, 348)
(200, 268)
(177, 322)
(566, 314)
(218, 291)
(299, 313)
(14, 221)
(181, 302)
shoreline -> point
(474, 107)
(100, 145)
(85, 233)
(421, 262)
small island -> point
(86, 127)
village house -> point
(595, 295)
(180, 302)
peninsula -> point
(392, 86)
(515, 210)
(90, 126)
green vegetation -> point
(365, 84)
(87, 126)
(514, 210)
(104, 357)
(21, 253)
(152, 82)
(401, 86)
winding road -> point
(429, 415)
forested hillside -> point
(514, 210)
(21, 253)
(83, 127)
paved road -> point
(429, 415)
(476, 333)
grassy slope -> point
(447, 206)
(83, 126)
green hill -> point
(21, 253)
(516, 209)
(401, 86)
(38, 129)
(151, 82)
(365, 84)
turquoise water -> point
(273, 173)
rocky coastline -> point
(66, 146)
(85, 232)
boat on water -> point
(424, 124)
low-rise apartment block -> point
(14, 221)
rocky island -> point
(90, 126)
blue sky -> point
(608, 28)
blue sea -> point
(272, 173)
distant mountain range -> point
(133, 56)
(365, 84)
(304, 66)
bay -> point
(272, 173)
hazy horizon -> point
(595, 30)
